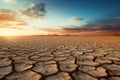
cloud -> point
(107, 21)
(51, 30)
(8, 15)
(89, 25)
(31, 4)
(102, 23)
(95, 31)
(22, 23)
(10, 1)
(36, 11)
(8, 19)
(112, 29)
(118, 17)
(9, 24)
(99, 27)
(75, 19)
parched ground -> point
(60, 58)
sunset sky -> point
(74, 17)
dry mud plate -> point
(60, 58)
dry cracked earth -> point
(60, 58)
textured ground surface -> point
(60, 58)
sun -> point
(9, 32)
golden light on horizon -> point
(9, 32)
(6, 32)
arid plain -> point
(60, 58)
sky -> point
(61, 17)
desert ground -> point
(60, 58)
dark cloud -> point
(103, 23)
(118, 17)
(106, 21)
(112, 29)
(76, 19)
(89, 25)
(36, 11)
(106, 26)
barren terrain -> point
(60, 58)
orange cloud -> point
(8, 19)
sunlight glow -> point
(9, 32)
(6, 32)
